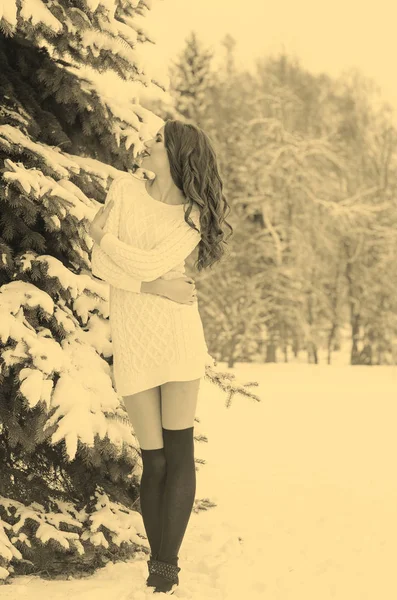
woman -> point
(159, 349)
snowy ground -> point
(306, 489)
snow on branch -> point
(56, 160)
(114, 522)
(103, 33)
(8, 551)
(35, 12)
(130, 121)
(80, 372)
(62, 526)
(8, 14)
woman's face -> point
(156, 158)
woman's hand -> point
(181, 290)
(98, 223)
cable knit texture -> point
(155, 339)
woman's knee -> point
(179, 448)
(154, 463)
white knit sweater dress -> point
(154, 339)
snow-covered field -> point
(306, 490)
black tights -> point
(167, 492)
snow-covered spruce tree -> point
(69, 459)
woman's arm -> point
(140, 264)
(102, 265)
(181, 290)
(148, 265)
(105, 268)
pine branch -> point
(228, 384)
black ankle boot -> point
(149, 580)
(163, 576)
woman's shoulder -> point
(126, 186)
(129, 179)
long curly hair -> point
(194, 170)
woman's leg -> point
(178, 401)
(144, 411)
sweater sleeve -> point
(102, 265)
(105, 268)
(147, 265)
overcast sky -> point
(325, 36)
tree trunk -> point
(230, 351)
(365, 356)
(312, 353)
(355, 327)
(295, 346)
(271, 350)
(315, 354)
(331, 338)
(285, 351)
(355, 317)
(312, 348)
